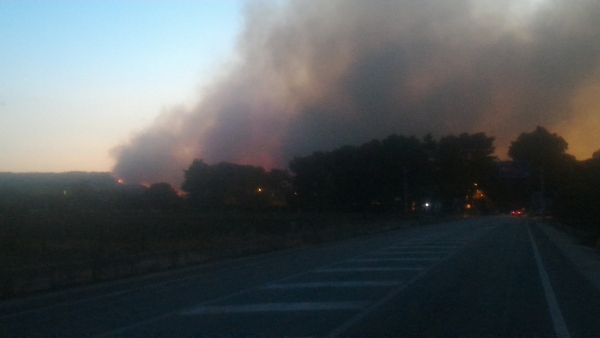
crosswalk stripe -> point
(334, 284)
(395, 259)
(275, 307)
(401, 252)
(412, 247)
(401, 268)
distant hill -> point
(51, 183)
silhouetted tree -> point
(312, 181)
(578, 198)
(231, 184)
(369, 176)
(551, 165)
(81, 193)
(540, 148)
(407, 160)
(162, 196)
(462, 162)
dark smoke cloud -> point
(315, 75)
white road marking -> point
(395, 259)
(403, 251)
(367, 305)
(334, 284)
(109, 294)
(398, 252)
(412, 247)
(453, 244)
(276, 307)
(460, 241)
(560, 327)
(374, 306)
(401, 268)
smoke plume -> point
(315, 75)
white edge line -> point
(560, 327)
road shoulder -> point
(585, 259)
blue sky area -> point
(78, 78)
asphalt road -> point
(495, 276)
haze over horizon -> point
(293, 77)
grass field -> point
(52, 249)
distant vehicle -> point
(516, 213)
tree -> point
(551, 165)
(197, 183)
(312, 180)
(577, 199)
(371, 175)
(229, 184)
(540, 148)
(161, 196)
(378, 174)
(464, 161)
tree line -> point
(396, 173)
(455, 173)
(405, 174)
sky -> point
(78, 78)
(141, 88)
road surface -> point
(493, 276)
